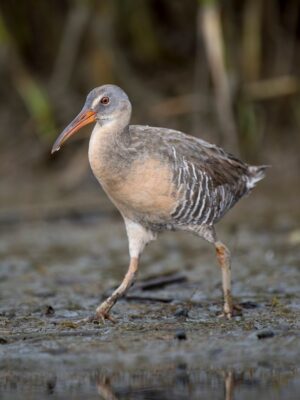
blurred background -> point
(226, 71)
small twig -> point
(268, 89)
(133, 297)
(160, 282)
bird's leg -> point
(138, 237)
(102, 312)
(224, 260)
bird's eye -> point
(104, 100)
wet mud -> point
(168, 342)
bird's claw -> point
(103, 316)
(100, 316)
(227, 315)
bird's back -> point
(206, 180)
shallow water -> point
(170, 381)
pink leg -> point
(102, 312)
(223, 256)
(138, 237)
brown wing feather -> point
(209, 181)
(223, 167)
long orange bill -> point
(85, 117)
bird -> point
(160, 180)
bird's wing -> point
(208, 180)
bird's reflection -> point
(104, 388)
(229, 385)
(181, 382)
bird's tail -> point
(255, 174)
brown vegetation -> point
(227, 71)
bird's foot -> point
(100, 316)
(234, 311)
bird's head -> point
(104, 105)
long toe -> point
(236, 311)
(227, 315)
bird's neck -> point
(107, 149)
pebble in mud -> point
(265, 334)
(180, 335)
(182, 312)
(248, 305)
(49, 311)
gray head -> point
(104, 104)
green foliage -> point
(4, 37)
(38, 106)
